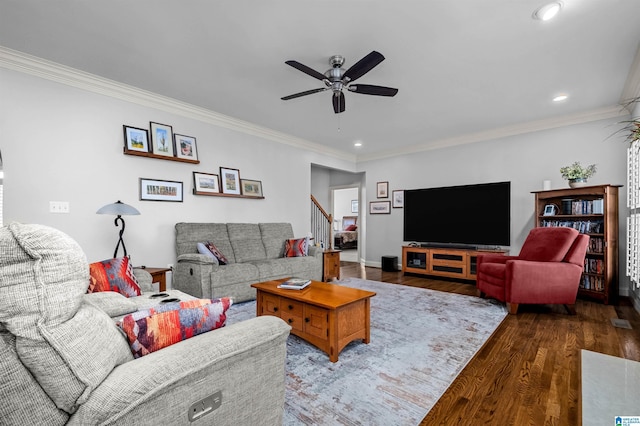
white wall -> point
(525, 160)
(61, 143)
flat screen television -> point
(468, 215)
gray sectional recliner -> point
(63, 360)
(254, 251)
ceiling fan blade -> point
(305, 69)
(364, 65)
(308, 92)
(368, 89)
(338, 102)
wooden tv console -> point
(442, 262)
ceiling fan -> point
(336, 79)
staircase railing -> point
(321, 225)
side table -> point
(159, 275)
(331, 265)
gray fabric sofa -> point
(63, 360)
(255, 252)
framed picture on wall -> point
(136, 139)
(354, 206)
(160, 190)
(397, 199)
(162, 139)
(230, 179)
(251, 188)
(382, 190)
(185, 147)
(380, 207)
(205, 183)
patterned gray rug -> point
(420, 340)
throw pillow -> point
(113, 275)
(202, 249)
(217, 253)
(155, 328)
(296, 247)
(351, 228)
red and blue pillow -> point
(296, 247)
(113, 275)
(152, 329)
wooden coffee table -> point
(328, 316)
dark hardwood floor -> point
(528, 372)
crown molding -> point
(501, 132)
(42, 68)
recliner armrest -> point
(315, 251)
(198, 258)
(245, 361)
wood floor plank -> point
(528, 372)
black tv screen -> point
(468, 215)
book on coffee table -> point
(295, 283)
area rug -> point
(420, 340)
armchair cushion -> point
(544, 246)
(69, 347)
(112, 303)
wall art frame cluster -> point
(160, 142)
(227, 183)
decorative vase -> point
(577, 183)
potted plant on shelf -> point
(576, 174)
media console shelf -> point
(442, 262)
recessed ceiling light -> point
(357, 144)
(560, 98)
(548, 11)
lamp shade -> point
(118, 208)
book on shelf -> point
(295, 283)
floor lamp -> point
(119, 208)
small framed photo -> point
(380, 207)
(162, 140)
(136, 139)
(230, 180)
(354, 206)
(160, 190)
(382, 189)
(550, 210)
(251, 188)
(185, 147)
(397, 198)
(205, 183)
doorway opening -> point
(345, 210)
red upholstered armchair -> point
(547, 270)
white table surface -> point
(610, 388)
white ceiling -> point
(465, 69)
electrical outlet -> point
(205, 406)
(58, 206)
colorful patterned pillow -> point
(152, 329)
(113, 275)
(296, 247)
(214, 250)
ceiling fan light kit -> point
(337, 79)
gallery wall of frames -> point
(160, 142)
